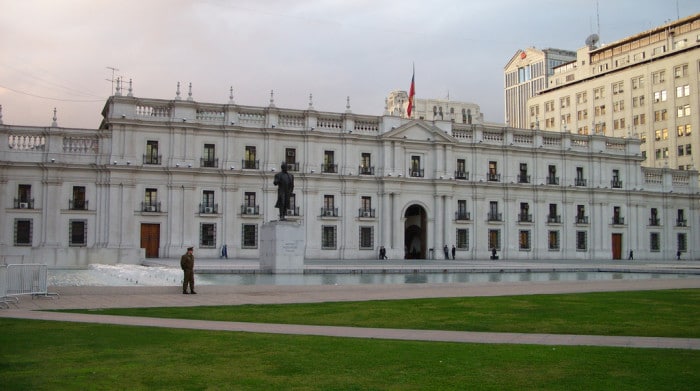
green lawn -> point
(42, 355)
(665, 313)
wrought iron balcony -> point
(525, 217)
(329, 212)
(150, 206)
(152, 159)
(366, 212)
(292, 167)
(494, 216)
(617, 220)
(552, 180)
(654, 221)
(464, 175)
(209, 162)
(365, 170)
(523, 178)
(329, 168)
(681, 223)
(24, 203)
(580, 182)
(293, 211)
(78, 204)
(416, 172)
(616, 184)
(493, 177)
(554, 219)
(463, 215)
(250, 164)
(581, 219)
(208, 208)
(250, 210)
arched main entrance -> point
(415, 233)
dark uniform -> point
(187, 264)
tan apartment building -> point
(643, 86)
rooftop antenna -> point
(112, 79)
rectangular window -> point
(249, 236)
(290, 158)
(151, 156)
(207, 235)
(209, 156)
(208, 205)
(492, 174)
(463, 238)
(328, 237)
(328, 208)
(554, 240)
(23, 232)
(151, 203)
(581, 241)
(461, 172)
(654, 242)
(524, 239)
(329, 165)
(77, 233)
(494, 239)
(78, 202)
(366, 164)
(366, 238)
(250, 161)
(416, 170)
(682, 240)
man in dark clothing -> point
(187, 265)
(285, 187)
(454, 252)
(447, 252)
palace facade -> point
(160, 175)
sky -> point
(58, 53)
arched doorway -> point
(415, 233)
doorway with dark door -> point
(150, 239)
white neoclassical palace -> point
(161, 175)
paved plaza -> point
(96, 297)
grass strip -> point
(663, 313)
(43, 355)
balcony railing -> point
(616, 184)
(292, 167)
(150, 206)
(494, 216)
(681, 223)
(523, 178)
(329, 168)
(366, 212)
(152, 159)
(209, 162)
(293, 211)
(250, 164)
(654, 221)
(208, 208)
(554, 219)
(329, 212)
(78, 204)
(492, 177)
(552, 180)
(580, 182)
(462, 215)
(525, 217)
(616, 220)
(24, 203)
(581, 219)
(250, 210)
(416, 172)
(365, 170)
(464, 175)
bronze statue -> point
(285, 186)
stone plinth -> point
(282, 247)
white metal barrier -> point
(23, 279)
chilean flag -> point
(411, 94)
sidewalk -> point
(112, 297)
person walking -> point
(187, 265)
(447, 252)
(454, 252)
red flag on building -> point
(411, 94)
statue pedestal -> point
(282, 247)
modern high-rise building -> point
(644, 86)
(526, 74)
(434, 109)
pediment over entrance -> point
(419, 131)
